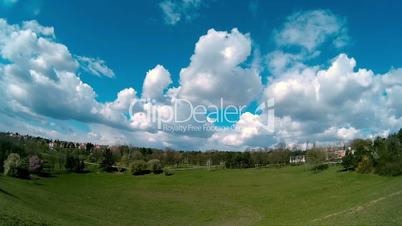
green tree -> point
(15, 166)
(73, 163)
(139, 167)
(35, 164)
(107, 163)
(316, 158)
(155, 166)
(365, 165)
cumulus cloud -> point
(323, 105)
(175, 10)
(215, 71)
(39, 85)
(34, 26)
(156, 82)
(309, 29)
(340, 100)
(40, 78)
(95, 66)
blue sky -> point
(132, 37)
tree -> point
(348, 161)
(365, 165)
(88, 147)
(11, 165)
(316, 158)
(155, 166)
(124, 162)
(389, 160)
(35, 164)
(73, 163)
(15, 166)
(107, 163)
(7, 147)
(139, 167)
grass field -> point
(286, 196)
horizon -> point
(187, 75)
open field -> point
(285, 196)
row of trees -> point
(382, 155)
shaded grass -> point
(283, 196)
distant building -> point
(340, 153)
(298, 159)
(51, 145)
(82, 146)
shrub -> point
(320, 167)
(74, 164)
(7, 147)
(155, 166)
(348, 161)
(316, 158)
(365, 165)
(390, 169)
(14, 166)
(11, 164)
(139, 167)
(108, 162)
(123, 163)
(167, 172)
(35, 164)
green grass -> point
(286, 196)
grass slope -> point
(287, 196)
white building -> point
(298, 159)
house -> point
(340, 153)
(51, 145)
(297, 159)
(82, 146)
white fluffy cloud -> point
(325, 105)
(215, 72)
(340, 100)
(175, 10)
(155, 83)
(40, 78)
(41, 91)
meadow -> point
(291, 195)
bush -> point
(316, 158)
(155, 166)
(390, 169)
(108, 162)
(139, 167)
(7, 147)
(348, 161)
(320, 167)
(123, 163)
(35, 164)
(74, 164)
(365, 165)
(167, 172)
(14, 166)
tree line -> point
(25, 155)
(382, 156)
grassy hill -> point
(285, 196)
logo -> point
(181, 115)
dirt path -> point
(360, 207)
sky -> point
(87, 71)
